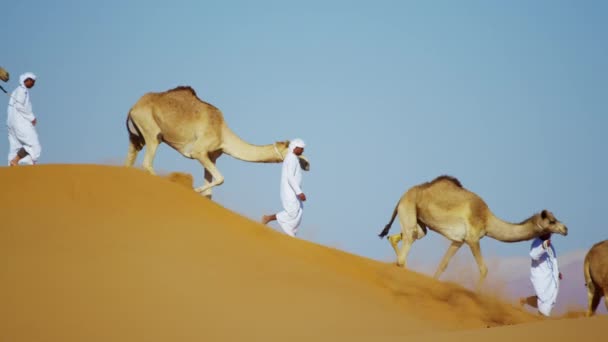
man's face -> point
(298, 151)
(29, 83)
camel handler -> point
(291, 191)
(544, 274)
(24, 146)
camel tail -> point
(135, 136)
(384, 232)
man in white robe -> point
(292, 196)
(544, 274)
(24, 146)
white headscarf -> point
(296, 143)
(25, 76)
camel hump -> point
(451, 179)
(183, 88)
(180, 90)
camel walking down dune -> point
(4, 75)
(195, 129)
(596, 276)
(444, 206)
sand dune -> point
(104, 253)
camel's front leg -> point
(446, 258)
(483, 269)
(217, 178)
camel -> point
(596, 276)
(446, 207)
(195, 129)
(4, 75)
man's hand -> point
(302, 197)
(560, 276)
(34, 122)
(547, 243)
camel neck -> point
(511, 232)
(236, 147)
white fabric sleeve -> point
(19, 104)
(537, 250)
(291, 179)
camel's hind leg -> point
(210, 167)
(593, 298)
(446, 258)
(208, 177)
(131, 155)
(150, 154)
(394, 241)
(396, 238)
(151, 135)
(409, 232)
(483, 269)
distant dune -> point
(105, 253)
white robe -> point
(21, 131)
(291, 182)
(544, 274)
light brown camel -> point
(195, 129)
(4, 75)
(596, 276)
(447, 208)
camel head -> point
(4, 75)
(547, 222)
(283, 149)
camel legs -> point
(407, 220)
(394, 241)
(404, 251)
(446, 258)
(208, 177)
(208, 164)
(483, 269)
(131, 155)
(593, 298)
(149, 155)
(395, 238)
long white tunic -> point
(291, 185)
(544, 274)
(21, 130)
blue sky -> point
(509, 97)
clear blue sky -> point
(508, 96)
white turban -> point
(25, 76)
(296, 143)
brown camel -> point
(444, 206)
(4, 75)
(596, 276)
(195, 129)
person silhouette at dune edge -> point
(292, 196)
(24, 146)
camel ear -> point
(543, 214)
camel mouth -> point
(304, 163)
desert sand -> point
(107, 253)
